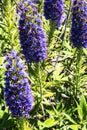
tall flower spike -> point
(54, 10)
(31, 33)
(79, 23)
(17, 90)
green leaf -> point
(74, 127)
(1, 113)
(4, 119)
(32, 71)
(1, 60)
(8, 123)
(51, 112)
(35, 109)
(69, 118)
(49, 74)
(84, 127)
(83, 106)
(80, 112)
(48, 94)
(3, 28)
(50, 122)
(40, 124)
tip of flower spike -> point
(79, 25)
(54, 10)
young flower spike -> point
(79, 23)
(31, 33)
(17, 90)
(54, 10)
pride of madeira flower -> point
(54, 10)
(17, 90)
(79, 23)
(31, 33)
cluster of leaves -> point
(58, 83)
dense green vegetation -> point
(59, 83)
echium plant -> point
(79, 39)
(31, 33)
(79, 23)
(54, 10)
(17, 90)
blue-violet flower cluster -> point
(54, 10)
(79, 23)
(17, 90)
(31, 33)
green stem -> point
(22, 124)
(40, 81)
(41, 85)
(51, 32)
(77, 71)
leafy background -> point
(58, 83)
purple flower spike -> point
(17, 90)
(31, 33)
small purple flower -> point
(31, 33)
(79, 23)
(17, 90)
(54, 10)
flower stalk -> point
(23, 124)
(77, 71)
